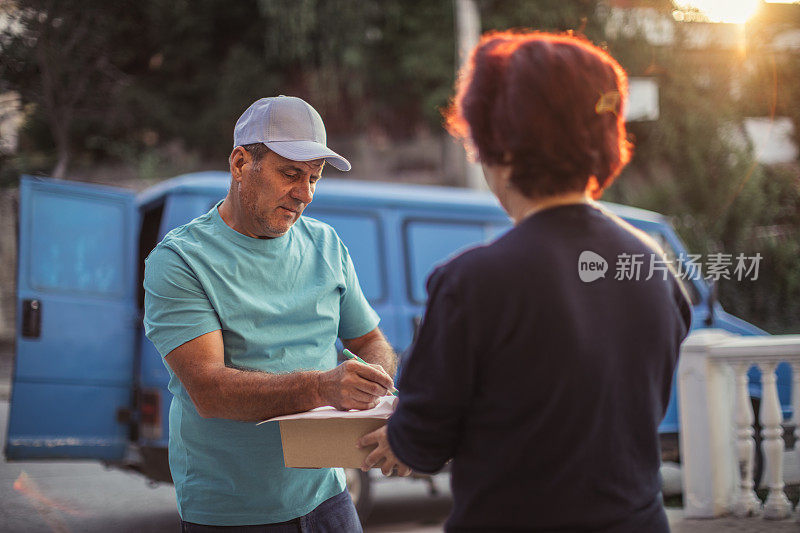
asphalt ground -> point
(391, 515)
(84, 496)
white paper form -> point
(383, 410)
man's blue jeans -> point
(334, 515)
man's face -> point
(274, 194)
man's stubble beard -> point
(259, 223)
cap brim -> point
(308, 151)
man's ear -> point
(238, 158)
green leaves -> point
(695, 163)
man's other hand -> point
(353, 385)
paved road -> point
(83, 496)
(79, 496)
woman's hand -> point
(383, 452)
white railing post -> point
(708, 453)
(777, 505)
(796, 414)
(747, 503)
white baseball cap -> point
(288, 126)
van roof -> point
(215, 183)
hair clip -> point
(607, 103)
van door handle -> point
(31, 319)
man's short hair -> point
(257, 151)
(553, 103)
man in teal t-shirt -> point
(245, 304)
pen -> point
(351, 355)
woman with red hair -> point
(544, 386)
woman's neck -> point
(524, 207)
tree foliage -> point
(173, 73)
(694, 163)
(55, 57)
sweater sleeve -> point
(437, 382)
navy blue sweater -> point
(546, 391)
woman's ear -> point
(506, 169)
(593, 188)
(498, 178)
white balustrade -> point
(716, 415)
(796, 405)
(747, 503)
(705, 399)
(777, 505)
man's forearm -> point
(380, 353)
(374, 348)
(219, 391)
(251, 395)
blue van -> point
(87, 384)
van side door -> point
(76, 322)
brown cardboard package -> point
(326, 443)
(325, 437)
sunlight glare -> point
(731, 11)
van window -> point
(429, 243)
(361, 234)
(70, 258)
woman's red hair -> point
(551, 106)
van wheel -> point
(358, 485)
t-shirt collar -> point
(275, 244)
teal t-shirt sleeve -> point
(356, 316)
(176, 308)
